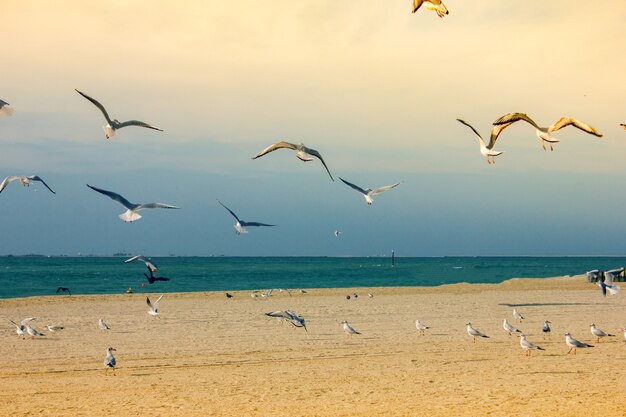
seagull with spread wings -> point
(545, 133)
(5, 108)
(153, 307)
(152, 266)
(240, 226)
(436, 5)
(487, 150)
(113, 125)
(368, 193)
(131, 214)
(302, 152)
(24, 180)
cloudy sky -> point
(373, 87)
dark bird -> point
(63, 289)
(151, 278)
(229, 295)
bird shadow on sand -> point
(547, 304)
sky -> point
(375, 89)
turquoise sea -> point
(28, 276)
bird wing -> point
(230, 211)
(98, 105)
(3, 103)
(27, 320)
(480, 138)
(356, 187)
(515, 117)
(317, 155)
(136, 123)
(246, 224)
(566, 121)
(417, 4)
(150, 305)
(151, 265)
(156, 303)
(7, 180)
(272, 148)
(155, 205)
(383, 189)
(495, 132)
(115, 197)
(37, 178)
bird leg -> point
(551, 148)
(543, 145)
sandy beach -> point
(212, 356)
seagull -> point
(599, 333)
(546, 327)
(289, 316)
(574, 344)
(474, 333)
(54, 328)
(624, 333)
(436, 5)
(593, 275)
(508, 327)
(152, 266)
(110, 361)
(240, 226)
(229, 295)
(623, 125)
(33, 332)
(487, 150)
(131, 214)
(545, 133)
(349, 329)
(517, 316)
(113, 125)
(368, 193)
(421, 327)
(19, 329)
(5, 109)
(370, 295)
(24, 180)
(607, 284)
(64, 289)
(302, 152)
(527, 346)
(102, 325)
(337, 232)
(153, 308)
(152, 278)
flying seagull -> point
(240, 226)
(152, 266)
(474, 332)
(608, 283)
(64, 289)
(5, 109)
(153, 307)
(289, 316)
(574, 344)
(152, 278)
(545, 133)
(113, 125)
(368, 193)
(599, 333)
(131, 214)
(487, 150)
(337, 232)
(24, 180)
(527, 345)
(302, 152)
(436, 5)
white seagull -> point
(574, 344)
(487, 150)
(436, 5)
(102, 325)
(368, 193)
(624, 333)
(109, 360)
(5, 109)
(151, 265)
(546, 328)
(153, 307)
(19, 329)
(349, 329)
(421, 327)
(302, 152)
(527, 346)
(474, 333)
(240, 226)
(54, 328)
(545, 133)
(508, 327)
(113, 125)
(289, 316)
(24, 180)
(337, 232)
(517, 316)
(33, 332)
(131, 214)
(608, 283)
(599, 333)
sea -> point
(24, 276)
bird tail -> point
(540, 348)
(485, 336)
(130, 216)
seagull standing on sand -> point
(487, 150)
(240, 226)
(24, 180)
(508, 327)
(421, 327)
(102, 325)
(474, 333)
(599, 333)
(574, 344)
(436, 5)
(546, 328)
(349, 329)
(545, 133)
(302, 152)
(33, 332)
(5, 109)
(109, 360)
(368, 193)
(54, 328)
(131, 214)
(527, 346)
(517, 316)
(113, 125)
(153, 308)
